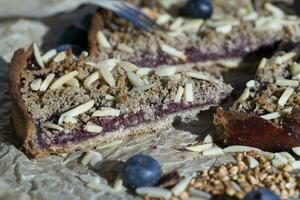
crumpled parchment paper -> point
(58, 177)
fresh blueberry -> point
(261, 194)
(199, 9)
(296, 6)
(64, 47)
(141, 170)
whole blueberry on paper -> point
(141, 170)
(261, 194)
(199, 9)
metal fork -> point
(129, 12)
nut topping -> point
(103, 41)
(63, 79)
(107, 112)
(38, 56)
(36, 84)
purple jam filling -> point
(110, 124)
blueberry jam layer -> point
(110, 124)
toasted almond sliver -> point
(107, 112)
(118, 184)
(239, 149)
(125, 48)
(63, 79)
(252, 162)
(77, 110)
(154, 192)
(70, 120)
(36, 84)
(179, 94)
(143, 88)
(285, 96)
(287, 82)
(281, 59)
(251, 84)
(296, 150)
(208, 139)
(172, 51)
(199, 75)
(108, 77)
(270, 116)
(276, 12)
(37, 55)
(110, 64)
(143, 71)
(295, 69)
(49, 55)
(214, 151)
(89, 156)
(73, 82)
(47, 82)
(102, 41)
(244, 96)
(60, 57)
(109, 97)
(229, 63)
(166, 71)
(135, 80)
(163, 19)
(266, 154)
(84, 54)
(181, 186)
(224, 29)
(91, 79)
(191, 26)
(128, 66)
(263, 63)
(176, 24)
(92, 64)
(199, 148)
(188, 93)
(251, 16)
(93, 128)
(53, 126)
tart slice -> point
(267, 114)
(62, 103)
(236, 28)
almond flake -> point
(128, 66)
(266, 154)
(143, 71)
(295, 165)
(199, 195)
(77, 110)
(252, 162)
(93, 128)
(63, 79)
(270, 116)
(36, 84)
(109, 97)
(288, 156)
(191, 26)
(107, 112)
(134, 79)
(296, 77)
(45, 84)
(251, 16)
(181, 186)
(163, 19)
(102, 41)
(244, 96)
(89, 156)
(118, 184)
(278, 163)
(208, 139)
(70, 120)
(251, 84)
(276, 12)
(281, 59)
(125, 48)
(60, 57)
(296, 150)
(154, 192)
(108, 77)
(263, 63)
(199, 148)
(179, 94)
(224, 29)
(89, 179)
(91, 79)
(49, 55)
(110, 64)
(229, 63)
(52, 126)
(287, 82)
(285, 96)
(239, 149)
(37, 56)
(73, 82)
(172, 51)
(199, 75)
(92, 64)
(110, 144)
(176, 24)
(295, 69)
(188, 93)
(166, 71)
(223, 22)
(143, 88)
(214, 151)
(84, 54)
